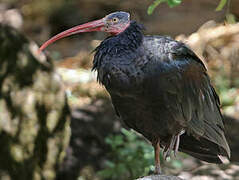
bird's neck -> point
(132, 36)
(121, 47)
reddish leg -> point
(156, 146)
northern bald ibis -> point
(158, 87)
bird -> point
(158, 87)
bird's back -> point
(189, 95)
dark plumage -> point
(159, 88)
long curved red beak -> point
(87, 27)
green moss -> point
(17, 153)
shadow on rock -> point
(90, 125)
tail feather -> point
(202, 149)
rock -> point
(212, 171)
(160, 177)
(34, 114)
(10, 16)
(90, 125)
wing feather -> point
(187, 87)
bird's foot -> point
(168, 149)
(177, 142)
(157, 170)
(173, 146)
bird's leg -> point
(168, 149)
(156, 146)
(176, 145)
(177, 142)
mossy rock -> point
(34, 115)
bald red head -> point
(113, 23)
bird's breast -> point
(121, 79)
(120, 66)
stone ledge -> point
(160, 177)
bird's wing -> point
(181, 78)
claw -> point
(177, 143)
(173, 146)
(170, 148)
(176, 146)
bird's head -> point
(113, 23)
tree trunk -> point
(34, 115)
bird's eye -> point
(115, 20)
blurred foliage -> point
(222, 85)
(230, 18)
(226, 93)
(172, 3)
(221, 4)
(131, 157)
